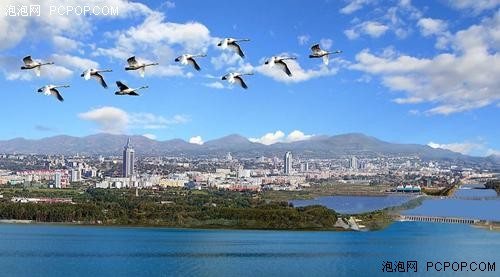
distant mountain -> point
(316, 147)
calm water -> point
(355, 204)
(462, 205)
(45, 250)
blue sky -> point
(413, 72)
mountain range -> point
(316, 147)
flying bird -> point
(189, 59)
(87, 74)
(234, 77)
(280, 62)
(125, 90)
(29, 63)
(317, 52)
(133, 64)
(52, 90)
(232, 43)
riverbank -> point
(180, 208)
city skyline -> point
(375, 83)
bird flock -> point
(278, 62)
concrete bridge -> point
(439, 219)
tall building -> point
(75, 175)
(128, 160)
(288, 163)
(57, 180)
(353, 163)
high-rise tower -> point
(288, 163)
(128, 160)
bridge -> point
(439, 219)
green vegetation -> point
(172, 208)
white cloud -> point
(303, 39)
(297, 136)
(169, 4)
(465, 79)
(13, 29)
(117, 121)
(326, 43)
(215, 85)
(373, 29)
(467, 148)
(109, 119)
(476, 6)
(354, 5)
(196, 140)
(152, 121)
(429, 26)
(158, 40)
(74, 62)
(225, 59)
(150, 136)
(279, 136)
(269, 138)
(66, 44)
(396, 18)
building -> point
(128, 160)
(57, 180)
(76, 175)
(353, 163)
(288, 163)
(304, 167)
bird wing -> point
(236, 48)
(133, 93)
(86, 75)
(142, 71)
(284, 66)
(240, 81)
(326, 59)
(100, 79)
(193, 62)
(28, 61)
(56, 93)
(132, 61)
(316, 49)
(38, 71)
(121, 86)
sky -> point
(425, 72)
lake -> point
(57, 250)
(355, 204)
(462, 205)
